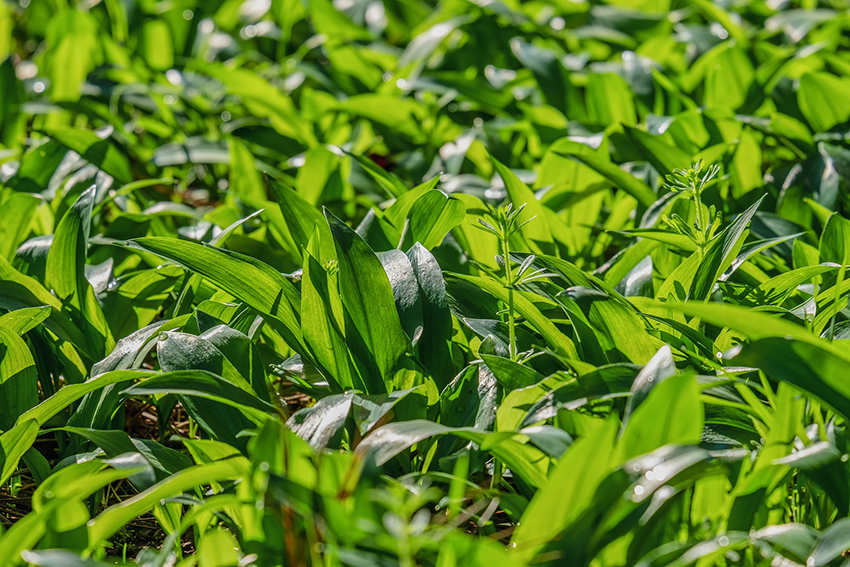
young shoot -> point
(693, 182)
(504, 224)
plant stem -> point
(509, 278)
(496, 479)
(700, 228)
(838, 283)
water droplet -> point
(723, 541)
(188, 14)
(639, 490)
(650, 475)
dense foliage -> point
(288, 282)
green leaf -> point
(434, 343)
(402, 115)
(511, 375)
(752, 324)
(243, 355)
(432, 216)
(262, 99)
(824, 100)
(318, 423)
(405, 288)
(814, 367)
(13, 444)
(664, 157)
(37, 167)
(778, 288)
(619, 329)
(322, 177)
(619, 178)
(21, 321)
(525, 461)
(110, 521)
(203, 384)
(203, 393)
(323, 319)
(65, 274)
(835, 241)
(724, 248)
(831, 544)
(557, 340)
(100, 152)
(58, 558)
(659, 368)
(609, 100)
(73, 37)
(386, 180)
(15, 220)
(73, 392)
(218, 546)
(568, 491)
(157, 46)
(302, 219)
(671, 414)
(250, 280)
(399, 210)
(552, 76)
(18, 378)
(536, 231)
(729, 76)
(372, 328)
(244, 179)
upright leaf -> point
(372, 327)
(65, 273)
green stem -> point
(496, 479)
(700, 225)
(838, 284)
(509, 278)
